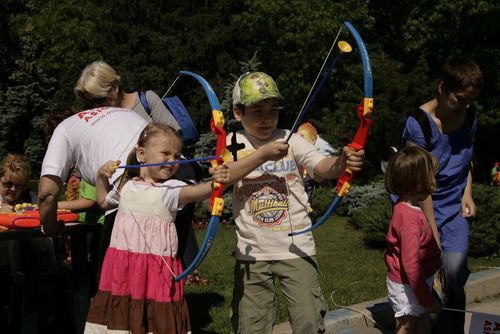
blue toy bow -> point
(216, 202)
(365, 108)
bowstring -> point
(317, 78)
(288, 200)
(376, 324)
(146, 241)
(150, 116)
(289, 136)
(169, 88)
(357, 311)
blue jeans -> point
(456, 273)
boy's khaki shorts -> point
(254, 295)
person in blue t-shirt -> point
(453, 122)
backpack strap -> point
(425, 125)
(144, 102)
(395, 141)
(235, 147)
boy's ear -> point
(237, 112)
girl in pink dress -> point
(137, 292)
(413, 255)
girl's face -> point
(159, 148)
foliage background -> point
(45, 44)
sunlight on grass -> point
(354, 273)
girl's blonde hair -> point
(150, 131)
(96, 81)
(18, 166)
(411, 172)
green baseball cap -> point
(253, 87)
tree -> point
(149, 42)
(24, 103)
(69, 38)
(421, 35)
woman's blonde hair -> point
(411, 172)
(17, 166)
(96, 81)
(150, 131)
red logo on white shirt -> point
(90, 114)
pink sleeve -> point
(410, 236)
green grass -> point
(348, 270)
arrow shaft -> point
(176, 162)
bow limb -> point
(364, 110)
(216, 201)
(344, 47)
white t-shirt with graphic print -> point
(89, 139)
(270, 202)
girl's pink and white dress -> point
(137, 292)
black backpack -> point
(396, 143)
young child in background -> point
(137, 291)
(412, 256)
(81, 198)
(270, 202)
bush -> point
(372, 218)
(369, 206)
(322, 197)
(361, 196)
(485, 230)
(371, 212)
(358, 197)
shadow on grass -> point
(199, 309)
